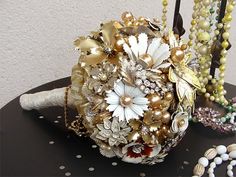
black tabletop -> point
(35, 143)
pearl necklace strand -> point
(216, 92)
(201, 31)
(224, 154)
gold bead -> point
(221, 81)
(203, 50)
(154, 100)
(222, 68)
(230, 8)
(164, 2)
(203, 24)
(206, 2)
(119, 44)
(142, 20)
(222, 60)
(166, 117)
(146, 60)
(220, 88)
(225, 44)
(169, 96)
(157, 114)
(190, 43)
(177, 54)
(183, 47)
(228, 17)
(193, 22)
(204, 12)
(213, 81)
(125, 101)
(127, 16)
(226, 35)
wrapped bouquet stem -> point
(45, 99)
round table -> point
(35, 143)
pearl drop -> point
(230, 173)
(218, 160)
(221, 149)
(225, 157)
(204, 161)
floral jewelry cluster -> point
(134, 88)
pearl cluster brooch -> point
(217, 155)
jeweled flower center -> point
(125, 101)
(181, 123)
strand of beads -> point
(194, 21)
(218, 92)
(203, 39)
(217, 155)
(164, 12)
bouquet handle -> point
(45, 99)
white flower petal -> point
(162, 58)
(111, 107)
(154, 46)
(119, 112)
(140, 100)
(142, 45)
(155, 150)
(161, 50)
(128, 50)
(129, 90)
(137, 93)
(130, 114)
(144, 107)
(134, 45)
(109, 94)
(137, 109)
(114, 99)
(119, 88)
(132, 160)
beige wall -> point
(36, 37)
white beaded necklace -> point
(224, 154)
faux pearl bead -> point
(203, 24)
(218, 160)
(221, 149)
(212, 164)
(225, 157)
(230, 173)
(211, 175)
(232, 154)
(203, 161)
(203, 50)
(233, 162)
(210, 170)
(229, 167)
